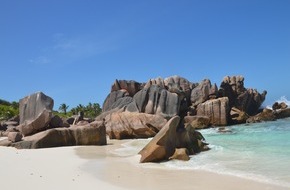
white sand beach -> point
(96, 167)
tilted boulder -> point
(203, 92)
(124, 125)
(217, 110)
(247, 100)
(35, 113)
(91, 134)
(165, 142)
(157, 100)
(162, 146)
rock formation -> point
(216, 109)
(168, 139)
(247, 100)
(91, 134)
(125, 125)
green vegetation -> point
(91, 110)
(11, 109)
(8, 110)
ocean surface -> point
(260, 152)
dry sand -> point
(97, 167)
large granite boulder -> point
(157, 100)
(91, 134)
(203, 92)
(217, 110)
(247, 100)
(163, 144)
(112, 98)
(35, 113)
(124, 125)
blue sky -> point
(73, 50)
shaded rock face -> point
(247, 100)
(157, 100)
(90, 134)
(35, 113)
(217, 110)
(112, 98)
(124, 125)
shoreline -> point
(99, 167)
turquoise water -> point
(256, 151)
(259, 152)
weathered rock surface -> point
(162, 146)
(31, 106)
(157, 100)
(198, 122)
(247, 100)
(112, 98)
(124, 125)
(35, 113)
(237, 116)
(217, 110)
(40, 123)
(14, 136)
(165, 142)
(203, 92)
(56, 122)
(92, 134)
(131, 86)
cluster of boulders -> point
(38, 127)
(169, 110)
(231, 103)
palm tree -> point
(63, 108)
(97, 109)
